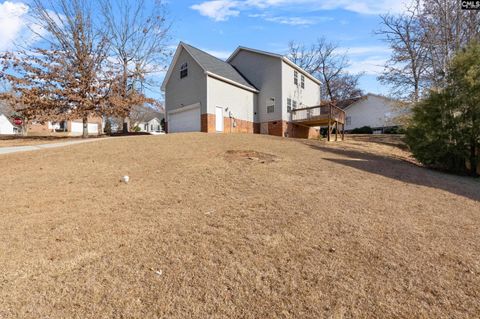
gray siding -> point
(239, 102)
(309, 96)
(265, 73)
(189, 90)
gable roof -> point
(7, 118)
(345, 104)
(212, 66)
(275, 55)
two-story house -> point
(251, 92)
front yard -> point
(235, 226)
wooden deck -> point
(327, 115)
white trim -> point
(274, 55)
(221, 78)
(184, 108)
(181, 45)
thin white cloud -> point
(222, 10)
(218, 10)
(370, 65)
(17, 28)
(223, 55)
(293, 21)
(12, 23)
(365, 50)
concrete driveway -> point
(16, 149)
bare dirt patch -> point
(329, 231)
(253, 156)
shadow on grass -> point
(405, 172)
(393, 140)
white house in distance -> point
(251, 92)
(150, 124)
(376, 111)
(6, 127)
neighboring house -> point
(252, 92)
(150, 124)
(372, 110)
(70, 127)
(6, 127)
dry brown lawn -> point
(235, 226)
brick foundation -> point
(207, 123)
(287, 129)
(229, 125)
(277, 128)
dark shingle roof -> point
(343, 104)
(216, 66)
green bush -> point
(362, 130)
(445, 128)
(394, 130)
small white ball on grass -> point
(125, 179)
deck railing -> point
(319, 112)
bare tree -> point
(64, 80)
(448, 28)
(423, 41)
(138, 31)
(406, 69)
(325, 61)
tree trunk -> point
(85, 127)
(473, 158)
(126, 125)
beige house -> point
(251, 92)
(70, 127)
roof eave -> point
(274, 55)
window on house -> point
(295, 77)
(151, 127)
(294, 104)
(146, 127)
(271, 105)
(183, 70)
(348, 120)
(302, 82)
(289, 104)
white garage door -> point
(77, 127)
(92, 128)
(185, 120)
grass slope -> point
(234, 226)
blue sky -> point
(219, 26)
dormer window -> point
(183, 70)
(295, 77)
(302, 82)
